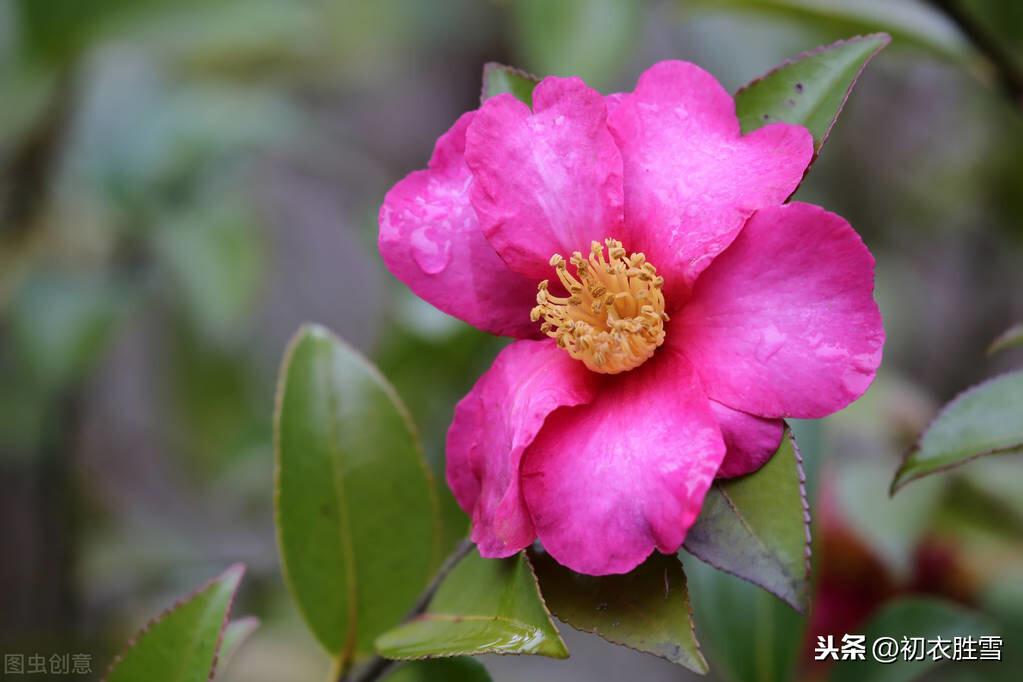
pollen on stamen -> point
(613, 317)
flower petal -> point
(493, 425)
(547, 181)
(691, 177)
(750, 441)
(609, 481)
(430, 239)
(784, 323)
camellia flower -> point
(669, 308)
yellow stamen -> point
(613, 317)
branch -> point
(378, 665)
(25, 182)
(1007, 71)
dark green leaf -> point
(1010, 338)
(758, 527)
(356, 510)
(484, 606)
(984, 420)
(441, 669)
(809, 90)
(911, 617)
(182, 644)
(747, 634)
(235, 635)
(647, 609)
(499, 79)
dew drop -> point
(432, 255)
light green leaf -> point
(60, 324)
(647, 610)
(499, 79)
(182, 644)
(356, 511)
(911, 617)
(215, 257)
(909, 23)
(1010, 338)
(809, 90)
(757, 527)
(235, 635)
(446, 669)
(484, 606)
(747, 634)
(984, 420)
(591, 39)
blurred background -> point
(182, 184)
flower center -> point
(613, 318)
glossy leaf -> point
(235, 635)
(911, 24)
(984, 420)
(647, 610)
(911, 617)
(809, 90)
(182, 644)
(1010, 338)
(446, 669)
(757, 527)
(355, 508)
(746, 634)
(499, 79)
(484, 606)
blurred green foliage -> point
(183, 184)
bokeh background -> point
(182, 184)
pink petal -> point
(609, 481)
(750, 441)
(430, 239)
(691, 178)
(492, 427)
(784, 322)
(547, 181)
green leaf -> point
(234, 636)
(910, 617)
(60, 324)
(591, 39)
(757, 527)
(356, 511)
(1010, 338)
(891, 527)
(984, 420)
(746, 633)
(484, 606)
(911, 24)
(809, 90)
(646, 610)
(446, 669)
(181, 645)
(499, 79)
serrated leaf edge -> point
(899, 482)
(229, 574)
(801, 607)
(885, 38)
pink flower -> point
(695, 311)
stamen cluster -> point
(613, 317)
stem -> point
(1010, 77)
(378, 665)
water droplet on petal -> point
(432, 254)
